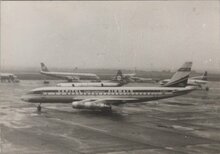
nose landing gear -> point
(39, 108)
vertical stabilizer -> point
(180, 78)
(44, 67)
(118, 76)
(205, 76)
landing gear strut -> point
(207, 88)
(39, 108)
(107, 110)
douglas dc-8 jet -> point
(117, 81)
(102, 98)
(67, 75)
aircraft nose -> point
(25, 98)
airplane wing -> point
(129, 75)
(141, 79)
(104, 101)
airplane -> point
(204, 77)
(116, 82)
(9, 77)
(126, 77)
(141, 80)
(133, 78)
(199, 81)
(102, 98)
(66, 75)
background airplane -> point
(118, 80)
(67, 75)
(133, 78)
(9, 77)
(203, 77)
(199, 80)
(140, 79)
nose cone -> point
(25, 98)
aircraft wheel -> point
(109, 110)
(207, 88)
(39, 108)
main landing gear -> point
(46, 82)
(207, 88)
(107, 110)
(39, 108)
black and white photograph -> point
(110, 77)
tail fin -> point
(180, 78)
(205, 76)
(118, 76)
(44, 67)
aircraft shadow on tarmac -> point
(116, 114)
(113, 114)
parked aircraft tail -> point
(118, 76)
(44, 67)
(205, 76)
(180, 78)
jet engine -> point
(91, 106)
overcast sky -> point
(146, 35)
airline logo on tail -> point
(44, 67)
(119, 76)
(180, 78)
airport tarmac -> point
(184, 124)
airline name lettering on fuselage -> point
(106, 92)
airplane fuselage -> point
(139, 79)
(196, 82)
(90, 84)
(120, 94)
(66, 75)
